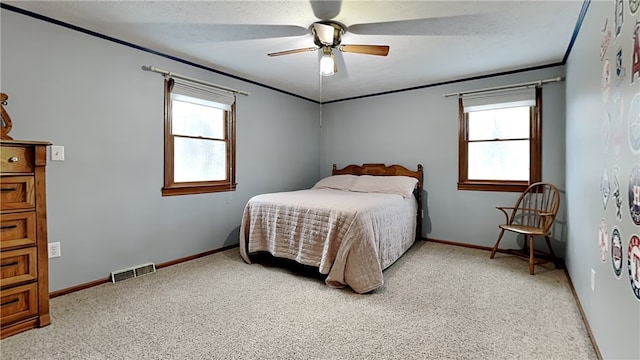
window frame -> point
(535, 153)
(172, 187)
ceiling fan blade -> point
(445, 25)
(380, 50)
(295, 51)
(324, 33)
(340, 64)
(335, 63)
(325, 10)
(203, 33)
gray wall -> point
(612, 309)
(104, 201)
(421, 126)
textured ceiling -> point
(430, 41)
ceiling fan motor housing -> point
(320, 37)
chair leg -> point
(553, 255)
(495, 247)
(531, 259)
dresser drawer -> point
(18, 303)
(17, 229)
(16, 159)
(16, 192)
(18, 266)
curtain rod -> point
(539, 82)
(178, 76)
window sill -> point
(493, 186)
(196, 189)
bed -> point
(351, 225)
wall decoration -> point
(619, 73)
(605, 188)
(619, 64)
(635, 56)
(633, 124)
(606, 132)
(606, 38)
(619, 17)
(606, 80)
(634, 194)
(616, 252)
(633, 264)
(603, 239)
(617, 196)
(633, 6)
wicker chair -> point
(533, 215)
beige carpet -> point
(438, 302)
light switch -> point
(57, 152)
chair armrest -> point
(534, 210)
(541, 213)
(504, 211)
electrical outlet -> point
(54, 250)
(593, 280)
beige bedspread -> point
(349, 236)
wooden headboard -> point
(391, 170)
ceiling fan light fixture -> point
(326, 65)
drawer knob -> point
(13, 159)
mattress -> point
(349, 236)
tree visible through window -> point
(199, 140)
(500, 141)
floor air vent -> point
(139, 270)
(145, 269)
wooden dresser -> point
(24, 281)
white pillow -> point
(338, 182)
(400, 185)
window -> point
(500, 140)
(199, 146)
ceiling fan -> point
(327, 35)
